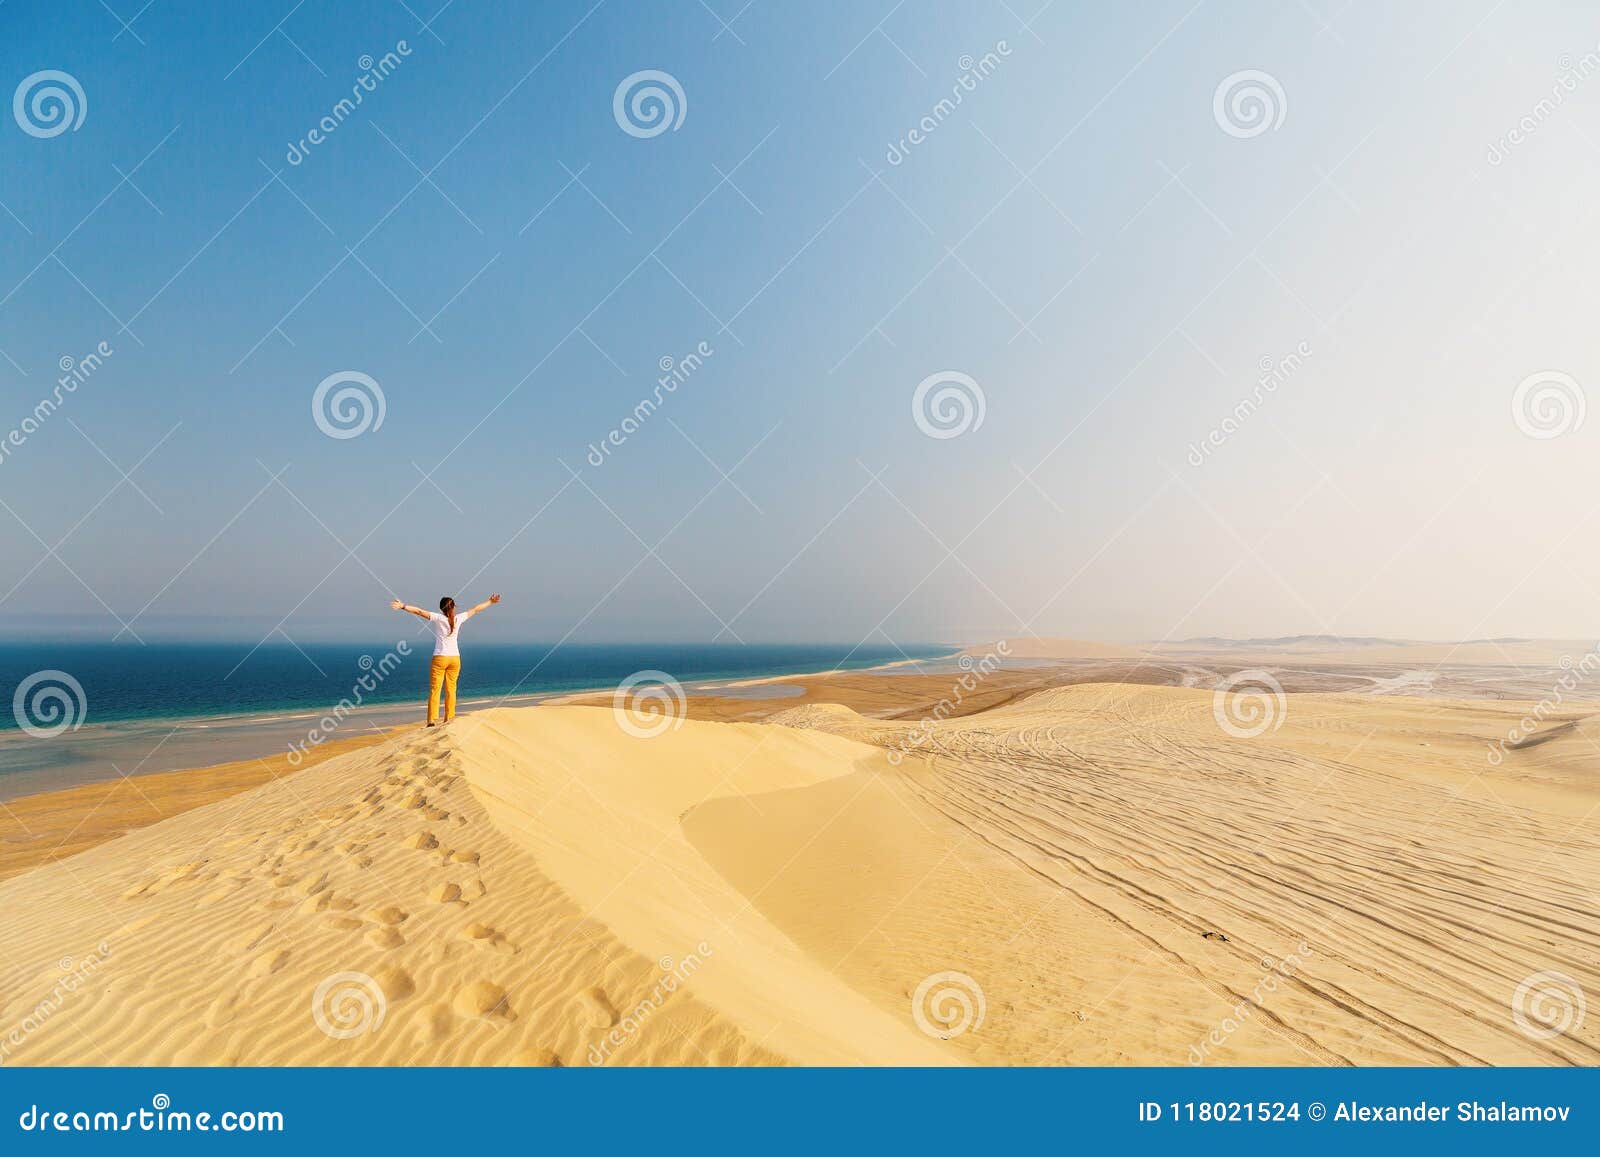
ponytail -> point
(448, 606)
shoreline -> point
(117, 744)
(481, 898)
(884, 692)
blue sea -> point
(137, 709)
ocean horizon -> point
(184, 680)
(126, 710)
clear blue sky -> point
(1080, 236)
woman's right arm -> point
(397, 605)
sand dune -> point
(1087, 874)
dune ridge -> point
(1084, 874)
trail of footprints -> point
(294, 872)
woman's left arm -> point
(483, 606)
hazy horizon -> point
(1313, 362)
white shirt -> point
(446, 642)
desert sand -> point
(1063, 869)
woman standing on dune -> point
(446, 668)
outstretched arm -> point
(397, 605)
(483, 606)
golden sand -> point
(1082, 874)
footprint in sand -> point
(463, 857)
(251, 939)
(537, 1058)
(422, 840)
(316, 903)
(385, 938)
(344, 923)
(269, 962)
(483, 998)
(312, 884)
(388, 915)
(485, 936)
(223, 1010)
(432, 1023)
(446, 894)
(597, 1008)
(396, 983)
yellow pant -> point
(445, 671)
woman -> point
(446, 651)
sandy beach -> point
(1070, 861)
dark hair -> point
(448, 606)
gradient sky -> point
(1080, 236)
